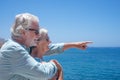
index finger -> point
(88, 42)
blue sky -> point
(69, 20)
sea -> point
(94, 63)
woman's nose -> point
(50, 41)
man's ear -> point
(23, 31)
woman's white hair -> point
(43, 32)
(22, 21)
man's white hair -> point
(22, 21)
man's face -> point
(32, 34)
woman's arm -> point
(60, 47)
(79, 45)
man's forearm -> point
(59, 73)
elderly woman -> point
(45, 48)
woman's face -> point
(43, 44)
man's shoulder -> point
(10, 44)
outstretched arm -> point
(79, 45)
(60, 47)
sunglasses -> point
(47, 39)
(36, 31)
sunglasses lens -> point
(36, 32)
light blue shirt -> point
(15, 60)
(55, 49)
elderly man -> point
(14, 54)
